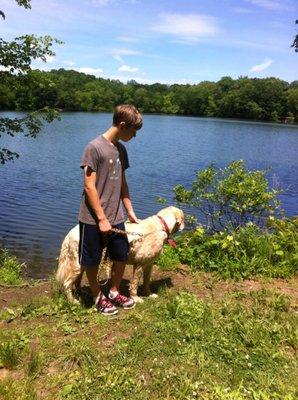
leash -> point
(125, 233)
(170, 241)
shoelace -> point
(105, 303)
(121, 298)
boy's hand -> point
(104, 226)
(132, 217)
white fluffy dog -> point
(145, 246)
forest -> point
(267, 99)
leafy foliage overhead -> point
(295, 42)
(16, 57)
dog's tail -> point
(68, 260)
(63, 260)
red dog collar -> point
(171, 242)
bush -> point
(246, 252)
(230, 197)
(10, 269)
(169, 259)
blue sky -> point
(164, 41)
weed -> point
(12, 390)
(10, 269)
(9, 354)
(80, 355)
(34, 362)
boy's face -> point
(127, 132)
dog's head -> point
(174, 218)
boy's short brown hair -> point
(129, 114)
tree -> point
(15, 58)
(295, 42)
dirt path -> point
(203, 284)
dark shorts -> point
(92, 243)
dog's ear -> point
(179, 216)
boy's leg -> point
(90, 250)
(117, 298)
(91, 273)
(118, 251)
(117, 275)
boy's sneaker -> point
(122, 301)
(105, 307)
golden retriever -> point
(146, 241)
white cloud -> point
(50, 59)
(106, 2)
(69, 63)
(192, 26)
(127, 39)
(269, 4)
(127, 68)
(147, 81)
(261, 67)
(241, 10)
(98, 72)
(124, 52)
(2, 68)
(100, 2)
(119, 59)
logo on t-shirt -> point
(114, 168)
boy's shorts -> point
(92, 242)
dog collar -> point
(171, 242)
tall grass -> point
(10, 269)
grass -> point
(241, 346)
(10, 269)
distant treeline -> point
(268, 99)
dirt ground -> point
(203, 284)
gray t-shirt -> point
(108, 161)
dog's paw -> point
(137, 299)
(153, 296)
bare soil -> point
(205, 285)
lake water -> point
(40, 192)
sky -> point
(163, 41)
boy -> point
(105, 190)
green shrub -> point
(10, 269)
(246, 252)
(169, 259)
(230, 197)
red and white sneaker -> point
(122, 301)
(104, 306)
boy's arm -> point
(126, 200)
(94, 200)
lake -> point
(40, 192)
